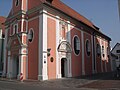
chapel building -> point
(46, 39)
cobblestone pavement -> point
(105, 81)
(104, 85)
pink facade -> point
(46, 42)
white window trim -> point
(73, 45)
(103, 49)
(33, 35)
(14, 29)
(11, 28)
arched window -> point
(16, 2)
(88, 47)
(15, 29)
(76, 45)
(30, 35)
(98, 50)
(103, 51)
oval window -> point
(16, 2)
(88, 47)
(30, 35)
(76, 45)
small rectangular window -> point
(117, 51)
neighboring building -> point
(2, 37)
(113, 62)
(116, 51)
(46, 39)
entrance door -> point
(64, 67)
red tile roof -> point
(2, 20)
(66, 9)
(72, 13)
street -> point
(4, 85)
(95, 82)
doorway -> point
(64, 68)
(15, 67)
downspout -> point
(94, 61)
(0, 48)
(2, 53)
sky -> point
(103, 13)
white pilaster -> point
(69, 33)
(69, 65)
(69, 56)
(18, 77)
(83, 63)
(5, 50)
(9, 73)
(20, 64)
(105, 50)
(24, 35)
(22, 21)
(101, 55)
(23, 54)
(43, 46)
(22, 4)
(57, 44)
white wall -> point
(117, 47)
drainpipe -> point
(94, 52)
(0, 48)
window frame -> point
(15, 31)
(78, 44)
(98, 50)
(118, 51)
(31, 29)
(103, 51)
(16, 3)
(88, 53)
